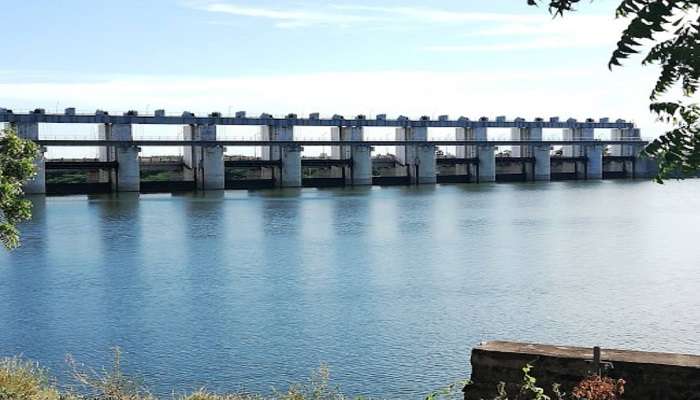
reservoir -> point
(390, 287)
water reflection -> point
(390, 286)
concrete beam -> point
(268, 120)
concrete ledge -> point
(188, 118)
(654, 376)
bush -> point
(24, 380)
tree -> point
(672, 30)
(16, 167)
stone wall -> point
(652, 376)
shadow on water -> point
(122, 266)
(20, 270)
(391, 286)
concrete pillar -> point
(487, 162)
(361, 165)
(419, 158)
(625, 150)
(543, 164)
(188, 159)
(594, 162)
(531, 134)
(485, 153)
(290, 175)
(464, 151)
(345, 134)
(289, 155)
(127, 176)
(105, 153)
(37, 185)
(128, 170)
(575, 134)
(638, 167)
(645, 167)
(540, 153)
(360, 172)
(204, 164)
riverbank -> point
(23, 379)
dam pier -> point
(417, 159)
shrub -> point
(204, 395)
(599, 388)
(24, 380)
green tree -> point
(671, 30)
(16, 167)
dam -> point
(417, 159)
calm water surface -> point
(390, 287)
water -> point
(390, 287)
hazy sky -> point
(472, 58)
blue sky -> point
(224, 38)
(472, 58)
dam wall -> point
(417, 159)
(648, 375)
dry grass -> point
(24, 380)
(110, 384)
(204, 395)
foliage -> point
(528, 388)
(160, 176)
(594, 387)
(599, 388)
(108, 384)
(672, 30)
(66, 177)
(204, 395)
(16, 167)
(23, 380)
(679, 149)
(317, 388)
(453, 391)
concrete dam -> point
(416, 159)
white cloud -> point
(287, 18)
(515, 92)
(576, 31)
(579, 93)
(432, 15)
(474, 31)
(345, 15)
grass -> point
(21, 379)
